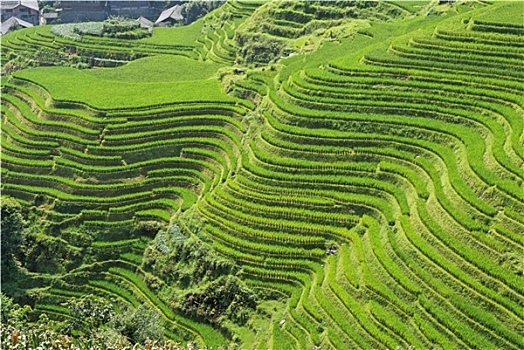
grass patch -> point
(186, 35)
(505, 13)
(412, 6)
(162, 68)
(68, 84)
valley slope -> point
(281, 175)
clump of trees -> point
(96, 317)
(185, 271)
(202, 284)
(122, 28)
(195, 9)
(225, 297)
(94, 324)
(258, 48)
(12, 228)
(31, 244)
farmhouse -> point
(13, 22)
(25, 10)
(144, 22)
(171, 15)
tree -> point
(88, 313)
(12, 312)
(195, 9)
(139, 324)
(11, 235)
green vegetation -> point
(159, 69)
(286, 175)
(114, 27)
(62, 83)
(182, 36)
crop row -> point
(444, 290)
(467, 137)
(399, 155)
(455, 271)
(416, 90)
(262, 219)
(412, 61)
(277, 211)
(475, 48)
(495, 39)
(485, 265)
(327, 184)
(221, 231)
(449, 55)
(499, 153)
(39, 98)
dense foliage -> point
(194, 9)
(91, 317)
(12, 228)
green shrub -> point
(259, 48)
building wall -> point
(134, 9)
(81, 11)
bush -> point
(140, 324)
(32, 337)
(114, 27)
(12, 312)
(226, 296)
(259, 48)
(12, 230)
(88, 313)
(120, 28)
(118, 25)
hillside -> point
(276, 175)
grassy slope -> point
(63, 84)
(180, 36)
(413, 6)
(382, 33)
(512, 13)
(160, 68)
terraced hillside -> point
(370, 193)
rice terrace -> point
(267, 175)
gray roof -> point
(8, 5)
(174, 12)
(144, 22)
(32, 4)
(11, 4)
(8, 24)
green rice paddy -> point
(369, 192)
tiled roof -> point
(145, 22)
(11, 4)
(174, 12)
(32, 4)
(8, 24)
(8, 5)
